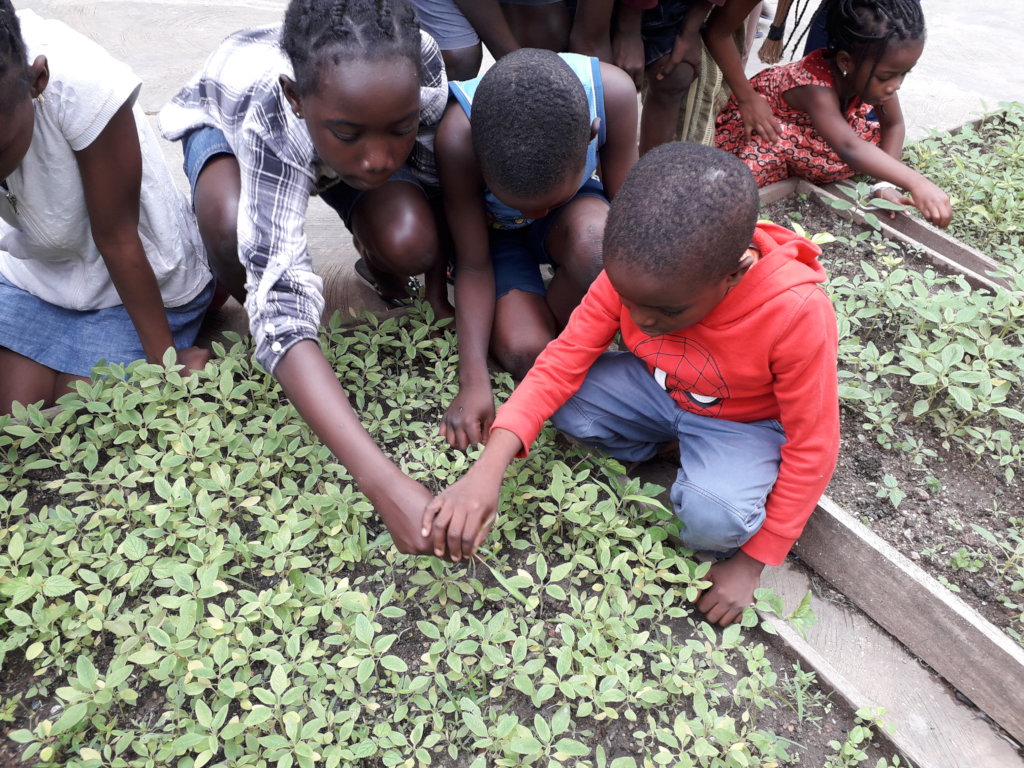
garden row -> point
(931, 366)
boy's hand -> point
(194, 358)
(686, 50)
(468, 419)
(733, 583)
(462, 515)
(933, 203)
(400, 504)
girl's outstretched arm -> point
(111, 169)
(310, 383)
(822, 104)
(754, 109)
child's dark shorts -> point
(203, 144)
(660, 26)
(516, 254)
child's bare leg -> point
(463, 63)
(574, 243)
(523, 325)
(397, 236)
(661, 107)
(25, 381)
(539, 26)
(216, 197)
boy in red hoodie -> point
(732, 352)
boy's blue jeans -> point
(727, 468)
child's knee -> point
(673, 87)
(406, 251)
(518, 356)
(710, 522)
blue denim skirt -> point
(73, 341)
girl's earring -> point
(843, 72)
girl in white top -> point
(100, 258)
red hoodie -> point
(766, 351)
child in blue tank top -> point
(517, 153)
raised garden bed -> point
(981, 167)
(930, 382)
(186, 575)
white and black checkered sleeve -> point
(285, 297)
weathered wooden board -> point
(961, 645)
(868, 667)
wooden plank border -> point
(970, 652)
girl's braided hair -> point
(12, 45)
(865, 28)
(316, 31)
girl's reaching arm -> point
(718, 37)
(313, 388)
(111, 169)
(822, 104)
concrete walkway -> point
(967, 67)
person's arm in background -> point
(718, 36)
(111, 170)
(489, 22)
(822, 104)
(627, 42)
(771, 49)
(467, 421)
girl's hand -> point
(933, 203)
(468, 419)
(759, 118)
(400, 503)
(893, 195)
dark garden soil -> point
(945, 494)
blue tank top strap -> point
(588, 70)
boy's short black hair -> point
(530, 123)
(683, 208)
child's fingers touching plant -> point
(759, 118)
(468, 419)
(932, 202)
(460, 518)
(733, 583)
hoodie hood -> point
(787, 260)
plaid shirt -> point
(238, 92)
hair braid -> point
(320, 31)
(12, 45)
(865, 28)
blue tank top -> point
(588, 70)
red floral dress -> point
(800, 150)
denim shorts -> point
(202, 144)
(444, 22)
(73, 341)
(516, 254)
(660, 26)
